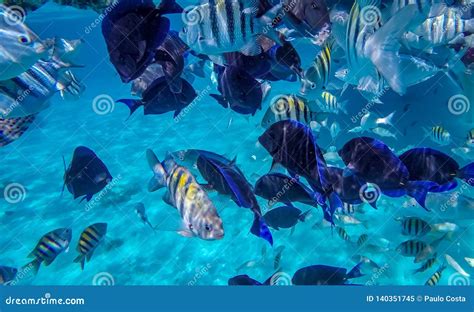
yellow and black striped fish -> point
(439, 135)
(414, 226)
(411, 248)
(49, 247)
(342, 233)
(428, 264)
(317, 76)
(199, 216)
(292, 107)
(434, 279)
(89, 240)
(362, 240)
(330, 103)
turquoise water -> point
(133, 254)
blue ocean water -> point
(135, 255)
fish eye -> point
(208, 227)
(313, 86)
(190, 226)
(24, 39)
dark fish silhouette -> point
(133, 30)
(226, 178)
(86, 175)
(324, 275)
(7, 274)
(160, 99)
(284, 217)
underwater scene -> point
(237, 142)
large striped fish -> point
(29, 93)
(49, 247)
(316, 77)
(434, 279)
(90, 238)
(199, 216)
(293, 107)
(220, 26)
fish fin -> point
(220, 99)
(185, 233)
(266, 22)
(355, 272)
(334, 203)
(87, 197)
(169, 7)
(251, 49)
(260, 229)
(176, 113)
(467, 174)
(373, 204)
(81, 259)
(133, 105)
(159, 174)
(383, 47)
(387, 120)
(33, 266)
(208, 187)
(418, 190)
(167, 199)
(303, 216)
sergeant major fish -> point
(49, 247)
(90, 238)
(199, 216)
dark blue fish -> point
(284, 217)
(324, 275)
(286, 56)
(278, 187)
(133, 30)
(87, 175)
(160, 99)
(257, 66)
(7, 275)
(225, 178)
(426, 164)
(292, 145)
(310, 18)
(245, 280)
(349, 187)
(239, 90)
(170, 55)
(374, 162)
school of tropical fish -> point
(320, 87)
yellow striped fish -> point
(49, 247)
(89, 240)
(342, 233)
(411, 248)
(329, 103)
(439, 135)
(292, 107)
(199, 216)
(316, 78)
(434, 279)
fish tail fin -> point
(159, 174)
(384, 47)
(388, 120)
(81, 259)
(133, 105)
(267, 23)
(33, 266)
(467, 174)
(169, 7)
(303, 216)
(334, 204)
(418, 190)
(260, 229)
(355, 272)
